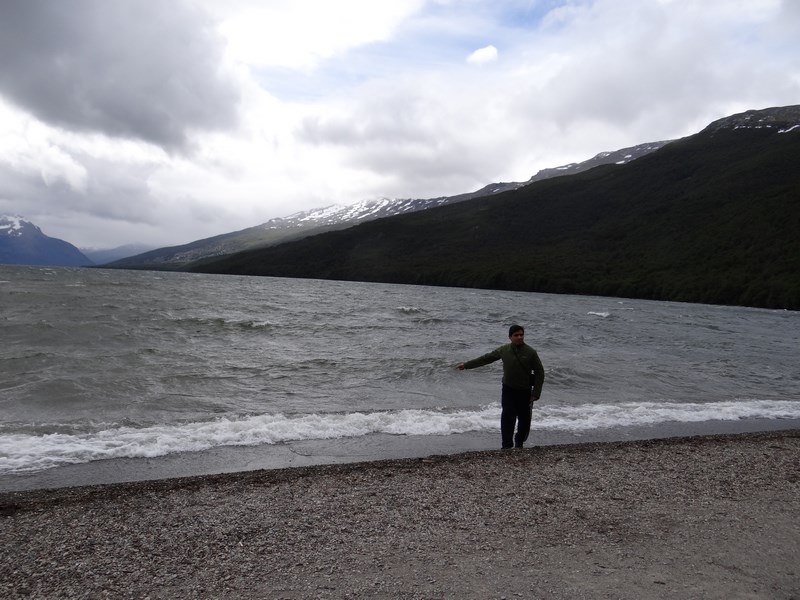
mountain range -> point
(26, 244)
(335, 217)
(710, 218)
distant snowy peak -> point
(15, 226)
(784, 119)
(336, 214)
(23, 243)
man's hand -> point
(460, 366)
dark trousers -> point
(516, 412)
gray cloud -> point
(112, 192)
(414, 137)
(114, 203)
(141, 70)
(115, 206)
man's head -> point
(516, 333)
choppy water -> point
(100, 364)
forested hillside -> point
(712, 218)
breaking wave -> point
(24, 452)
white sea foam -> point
(410, 310)
(28, 453)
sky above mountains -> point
(125, 121)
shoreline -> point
(694, 517)
(233, 459)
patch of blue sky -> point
(334, 76)
(416, 48)
(440, 37)
(526, 14)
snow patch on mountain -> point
(13, 225)
(351, 213)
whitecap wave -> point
(27, 453)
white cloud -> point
(300, 34)
(25, 148)
(483, 55)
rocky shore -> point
(700, 517)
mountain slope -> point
(710, 218)
(331, 218)
(23, 243)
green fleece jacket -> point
(522, 368)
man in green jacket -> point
(523, 376)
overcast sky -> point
(168, 121)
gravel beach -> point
(699, 517)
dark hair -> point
(514, 329)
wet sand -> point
(697, 517)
